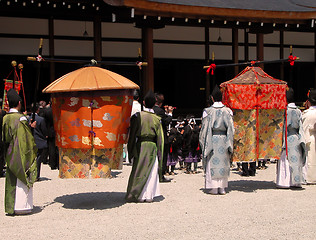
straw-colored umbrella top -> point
(90, 79)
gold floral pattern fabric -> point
(268, 129)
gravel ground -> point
(95, 209)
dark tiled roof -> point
(265, 5)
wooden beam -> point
(164, 9)
(148, 55)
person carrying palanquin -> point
(145, 147)
(216, 141)
(20, 155)
(293, 157)
(309, 126)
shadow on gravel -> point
(42, 179)
(250, 185)
(92, 200)
(115, 174)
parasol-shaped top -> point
(253, 75)
(90, 79)
(253, 88)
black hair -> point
(150, 99)
(136, 94)
(312, 97)
(217, 94)
(290, 95)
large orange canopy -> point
(90, 79)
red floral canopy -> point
(253, 88)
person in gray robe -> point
(293, 157)
(216, 141)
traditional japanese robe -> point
(20, 156)
(309, 126)
(145, 147)
(289, 169)
(216, 141)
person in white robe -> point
(309, 126)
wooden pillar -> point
(235, 49)
(246, 48)
(260, 48)
(282, 54)
(51, 48)
(148, 55)
(97, 38)
(315, 59)
(207, 61)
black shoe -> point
(165, 180)
(245, 175)
(252, 174)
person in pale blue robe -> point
(291, 163)
(216, 141)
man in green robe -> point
(20, 155)
(145, 147)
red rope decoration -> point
(211, 67)
(39, 58)
(253, 63)
(292, 59)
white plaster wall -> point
(23, 25)
(298, 38)
(74, 48)
(120, 49)
(180, 33)
(178, 51)
(19, 46)
(72, 28)
(120, 30)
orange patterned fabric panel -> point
(74, 117)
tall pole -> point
(246, 48)
(235, 49)
(148, 55)
(260, 52)
(315, 59)
(97, 38)
(51, 48)
(207, 60)
(282, 54)
(40, 49)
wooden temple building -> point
(176, 38)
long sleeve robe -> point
(145, 147)
(289, 170)
(20, 156)
(216, 141)
(309, 126)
